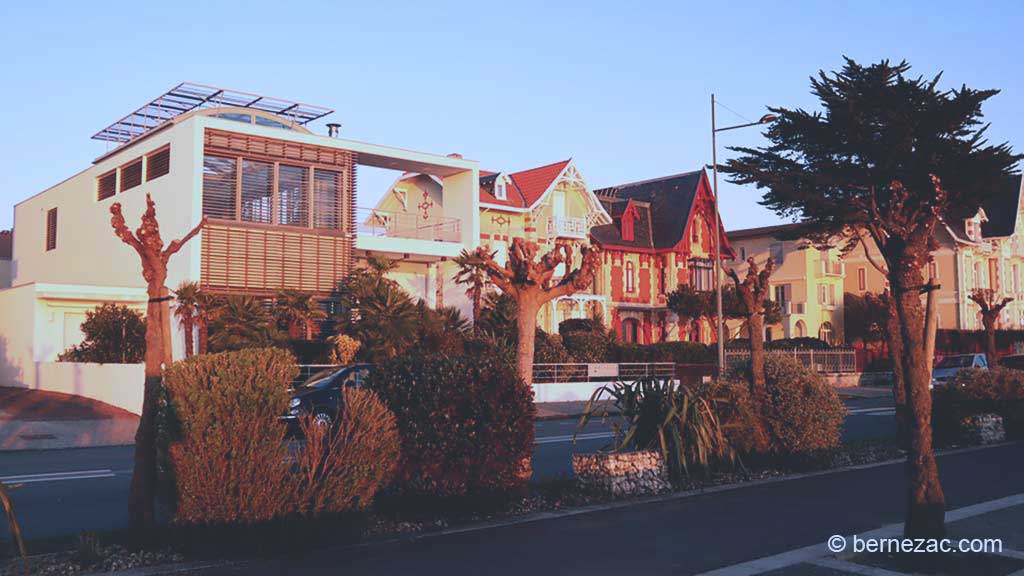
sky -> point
(622, 88)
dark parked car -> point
(320, 394)
(1015, 361)
(949, 366)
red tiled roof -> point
(528, 185)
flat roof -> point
(187, 96)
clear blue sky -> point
(621, 87)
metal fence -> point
(836, 360)
(307, 370)
(558, 373)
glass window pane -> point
(261, 121)
(257, 191)
(219, 177)
(293, 195)
(326, 199)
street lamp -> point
(766, 119)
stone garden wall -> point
(621, 473)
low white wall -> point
(565, 391)
(119, 385)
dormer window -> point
(500, 191)
(627, 227)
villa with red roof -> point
(543, 204)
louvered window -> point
(131, 175)
(106, 185)
(292, 195)
(326, 199)
(257, 191)
(158, 164)
(220, 175)
(51, 229)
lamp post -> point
(767, 118)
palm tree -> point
(471, 272)
(387, 321)
(209, 307)
(242, 322)
(186, 309)
(297, 312)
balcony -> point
(834, 269)
(565, 227)
(407, 233)
(791, 308)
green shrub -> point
(799, 415)
(587, 346)
(465, 423)
(548, 349)
(651, 413)
(228, 454)
(975, 391)
(114, 334)
(581, 325)
(678, 352)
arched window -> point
(631, 331)
(800, 330)
(825, 332)
(630, 279)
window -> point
(257, 191)
(292, 195)
(627, 227)
(326, 195)
(993, 274)
(630, 280)
(158, 164)
(979, 279)
(743, 253)
(827, 294)
(261, 121)
(499, 188)
(1016, 278)
(219, 177)
(701, 275)
(131, 175)
(782, 295)
(631, 331)
(776, 253)
(51, 229)
(106, 185)
(800, 330)
(933, 271)
(862, 278)
(972, 230)
(825, 332)
(235, 116)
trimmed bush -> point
(228, 454)
(585, 346)
(548, 349)
(976, 391)
(799, 415)
(580, 325)
(678, 352)
(113, 334)
(465, 423)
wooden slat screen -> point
(259, 259)
(106, 185)
(220, 178)
(293, 195)
(51, 229)
(131, 175)
(257, 191)
(158, 164)
(327, 187)
(233, 143)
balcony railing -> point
(387, 224)
(791, 308)
(565, 227)
(833, 268)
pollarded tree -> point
(148, 244)
(890, 157)
(530, 281)
(753, 293)
(990, 307)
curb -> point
(554, 515)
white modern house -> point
(281, 211)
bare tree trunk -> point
(526, 325)
(204, 336)
(755, 326)
(478, 307)
(143, 487)
(899, 392)
(989, 323)
(926, 502)
(189, 326)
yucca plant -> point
(658, 413)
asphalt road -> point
(60, 492)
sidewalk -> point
(38, 420)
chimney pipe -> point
(333, 128)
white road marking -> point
(874, 411)
(568, 437)
(57, 476)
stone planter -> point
(982, 428)
(621, 474)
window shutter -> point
(219, 177)
(292, 195)
(51, 229)
(106, 185)
(131, 175)
(326, 199)
(158, 164)
(257, 191)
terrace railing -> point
(835, 361)
(559, 373)
(388, 224)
